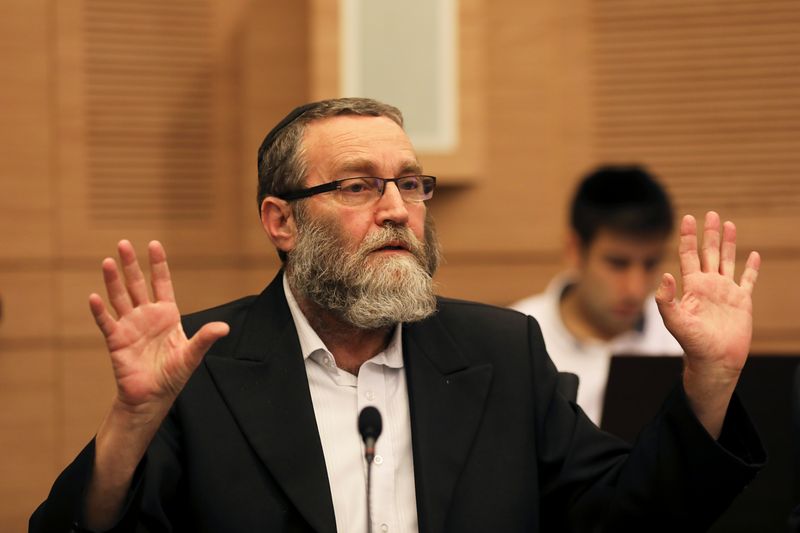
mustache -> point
(393, 236)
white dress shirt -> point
(338, 398)
(591, 359)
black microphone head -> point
(369, 423)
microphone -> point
(370, 426)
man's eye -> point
(356, 187)
(651, 264)
(617, 263)
(409, 184)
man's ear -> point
(278, 223)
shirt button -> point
(384, 527)
(378, 459)
(370, 395)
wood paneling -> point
(776, 303)
(87, 388)
(30, 431)
(537, 127)
(140, 98)
(702, 92)
(28, 300)
(496, 279)
(273, 77)
(26, 205)
(29, 423)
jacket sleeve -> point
(155, 479)
(676, 477)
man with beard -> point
(258, 432)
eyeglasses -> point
(363, 190)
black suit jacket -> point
(496, 447)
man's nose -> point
(391, 206)
(637, 283)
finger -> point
(710, 250)
(160, 277)
(204, 338)
(117, 294)
(727, 263)
(750, 273)
(687, 248)
(134, 279)
(102, 317)
(665, 298)
(665, 295)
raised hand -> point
(151, 357)
(713, 320)
(152, 361)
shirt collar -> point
(391, 356)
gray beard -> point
(363, 291)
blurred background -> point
(140, 119)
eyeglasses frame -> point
(336, 185)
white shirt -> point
(338, 398)
(591, 359)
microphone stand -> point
(369, 492)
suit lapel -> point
(266, 388)
(447, 397)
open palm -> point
(151, 357)
(713, 320)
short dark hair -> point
(625, 199)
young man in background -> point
(620, 223)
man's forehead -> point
(357, 143)
(341, 128)
(370, 166)
(609, 240)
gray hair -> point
(281, 160)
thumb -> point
(207, 335)
(665, 297)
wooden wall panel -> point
(466, 164)
(28, 301)
(149, 96)
(25, 173)
(87, 388)
(536, 117)
(704, 92)
(775, 305)
(29, 430)
(272, 57)
(73, 318)
(481, 279)
(139, 92)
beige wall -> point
(142, 120)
